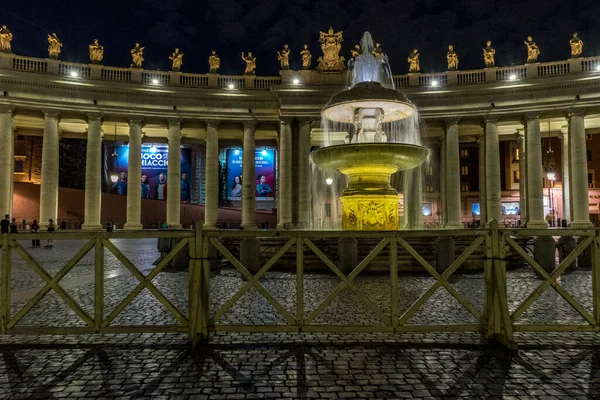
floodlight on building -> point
(512, 77)
(231, 86)
(434, 83)
(329, 181)
(296, 81)
(74, 74)
(264, 152)
(155, 81)
(598, 67)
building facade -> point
(490, 132)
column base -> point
(133, 227)
(249, 227)
(285, 226)
(454, 226)
(537, 225)
(174, 226)
(91, 227)
(209, 227)
(581, 224)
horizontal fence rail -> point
(492, 312)
(207, 80)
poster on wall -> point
(264, 181)
(154, 171)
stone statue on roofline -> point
(5, 39)
(284, 57)
(250, 63)
(452, 59)
(576, 46)
(54, 46)
(137, 56)
(331, 44)
(533, 51)
(306, 57)
(489, 55)
(176, 59)
(96, 52)
(414, 65)
(214, 63)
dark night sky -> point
(264, 26)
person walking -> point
(35, 228)
(14, 228)
(5, 224)
(51, 229)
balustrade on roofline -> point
(170, 78)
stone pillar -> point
(134, 191)
(452, 171)
(6, 161)
(482, 198)
(523, 204)
(285, 175)
(304, 172)
(211, 205)
(93, 172)
(50, 160)
(580, 217)
(492, 171)
(535, 173)
(565, 171)
(443, 192)
(248, 177)
(174, 176)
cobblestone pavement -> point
(244, 365)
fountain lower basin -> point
(369, 202)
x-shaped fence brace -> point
(550, 279)
(52, 283)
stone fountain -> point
(369, 202)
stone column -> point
(248, 177)
(565, 171)
(304, 173)
(134, 191)
(492, 171)
(285, 175)
(6, 161)
(443, 193)
(93, 173)
(523, 203)
(50, 160)
(211, 204)
(535, 173)
(452, 171)
(174, 176)
(580, 217)
(482, 198)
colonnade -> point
(574, 168)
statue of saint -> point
(533, 51)
(452, 59)
(576, 46)
(54, 45)
(413, 60)
(306, 57)
(214, 63)
(377, 51)
(284, 57)
(5, 39)
(96, 52)
(489, 54)
(137, 56)
(177, 58)
(250, 63)
(355, 52)
(331, 44)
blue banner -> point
(155, 163)
(264, 181)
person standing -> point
(51, 229)
(4, 224)
(185, 188)
(160, 190)
(35, 228)
(145, 187)
(14, 228)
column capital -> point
(305, 120)
(212, 122)
(174, 122)
(531, 115)
(249, 124)
(136, 121)
(51, 113)
(576, 112)
(286, 120)
(564, 131)
(94, 116)
(7, 108)
(451, 121)
(492, 119)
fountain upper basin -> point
(387, 158)
(368, 95)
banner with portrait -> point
(153, 180)
(264, 181)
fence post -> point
(98, 283)
(488, 302)
(300, 282)
(394, 281)
(6, 278)
(195, 276)
(596, 277)
(204, 304)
